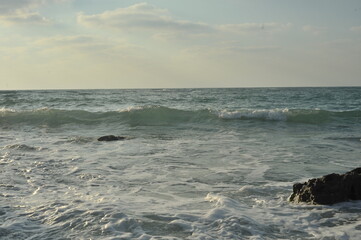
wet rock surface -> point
(329, 189)
(111, 138)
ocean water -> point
(197, 163)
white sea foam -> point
(23, 147)
(186, 173)
(273, 114)
(296, 221)
(132, 108)
(6, 110)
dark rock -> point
(111, 138)
(329, 189)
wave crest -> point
(274, 114)
(160, 115)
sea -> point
(196, 163)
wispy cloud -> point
(10, 6)
(87, 45)
(315, 30)
(228, 50)
(254, 49)
(146, 17)
(246, 28)
(14, 12)
(141, 16)
(356, 29)
(78, 40)
(24, 18)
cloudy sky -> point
(62, 44)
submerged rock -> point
(111, 138)
(329, 189)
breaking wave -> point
(159, 115)
(312, 116)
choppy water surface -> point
(198, 163)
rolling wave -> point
(159, 115)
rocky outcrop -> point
(111, 138)
(329, 189)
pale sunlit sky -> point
(62, 44)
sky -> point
(86, 44)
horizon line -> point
(160, 88)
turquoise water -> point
(198, 163)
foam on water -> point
(276, 114)
(22, 147)
(197, 164)
(276, 218)
(161, 115)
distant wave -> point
(274, 114)
(23, 147)
(311, 116)
(160, 115)
(50, 117)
